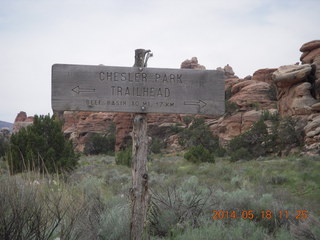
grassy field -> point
(266, 198)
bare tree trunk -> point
(139, 192)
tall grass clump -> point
(37, 208)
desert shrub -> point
(272, 93)
(187, 119)
(198, 133)
(102, 143)
(115, 220)
(230, 107)
(251, 143)
(289, 133)
(175, 128)
(199, 154)
(176, 206)
(156, 145)
(240, 154)
(37, 209)
(220, 152)
(274, 117)
(228, 93)
(41, 146)
(124, 157)
(255, 105)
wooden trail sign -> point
(137, 89)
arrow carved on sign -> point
(199, 103)
(79, 90)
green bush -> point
(178, 205)
(283, 135)
(198, 133)
(251, 143)
(187, 119)
(42, 147)
(230, 107)
(240, 154)
(272, 93)
(289, 133)
(198, 154)
(156, 145)
(4, 144)
(124, 157)
(102, 143)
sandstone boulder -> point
(251, 93)
(310, 46)
(264, 75)
(228, 71)
(288, 75)
(296, 100)
(310, 56)
(228, 127)
(192, 64)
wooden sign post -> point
(140, 195)
(139, 90)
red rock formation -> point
(311, 54)
(264, 75)
(21, 121)
(294, 95)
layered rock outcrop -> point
(311, 55)
(247, 99)
(294, 90)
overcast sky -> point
(246, 34)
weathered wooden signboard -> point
(136, 89)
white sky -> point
(246, 34)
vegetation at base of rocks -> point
(198, 133)
(228, 93)
(198, 154)
(272, 93)
(102, 143)
(41, 147)
(261, 140)
(156, 145)
(124, 157)
(240, 154)
(176, 128)
(255, 105)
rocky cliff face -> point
(293, 90)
